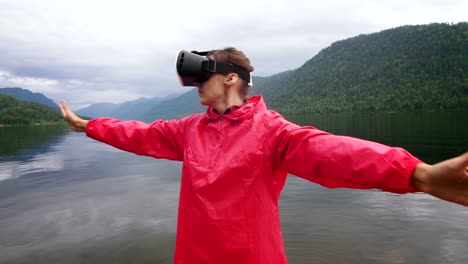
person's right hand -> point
(75, 122)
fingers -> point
(464, 159)
(66, 112)
(64, 108)
(75, 122)
(462, 162)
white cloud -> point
(42, 84)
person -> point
(236, 157)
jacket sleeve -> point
(340, 161)
(160, 139)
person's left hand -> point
(447, 180)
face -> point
(212, 91)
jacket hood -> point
(254, 104)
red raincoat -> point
(234, 167)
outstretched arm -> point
(447, 180)
(160, 139)
(340, 161)
(75, 122)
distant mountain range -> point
(28, 96)
(127, 110)
(405, 69)
(151, 109)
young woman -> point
(236, 157)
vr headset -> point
(196, 67)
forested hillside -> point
(14, 112)
(28, 96)
(410, 68)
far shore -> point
(35, 124)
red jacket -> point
(235, 166)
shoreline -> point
(35, 124)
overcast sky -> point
(89, 51)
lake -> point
(65, 198)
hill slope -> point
(28, 96)
(15, 112)
(181, 106)
(97, 110)
(125, 111)
(410, 68)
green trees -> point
(14, 112)
(410, 68)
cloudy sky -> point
(89, 51)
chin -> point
(203, 102)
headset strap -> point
(227, 68)
(219, 67)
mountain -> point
(28, 96)
(181, 106)
(409, 68)
(404, 69)
(98, 110)
(16, 112)
(189, 102)
(134, 109)
(256, 80)
(174, 106)
(125, 111)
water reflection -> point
(349, 226)
(130, 209)
(34, 139)
(72, 200)
(430, 136)
(36, 164)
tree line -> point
(15, 112)
(409, 68)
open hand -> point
(75, 122)
(447, 180)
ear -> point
(231, 79)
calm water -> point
(67, 199)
